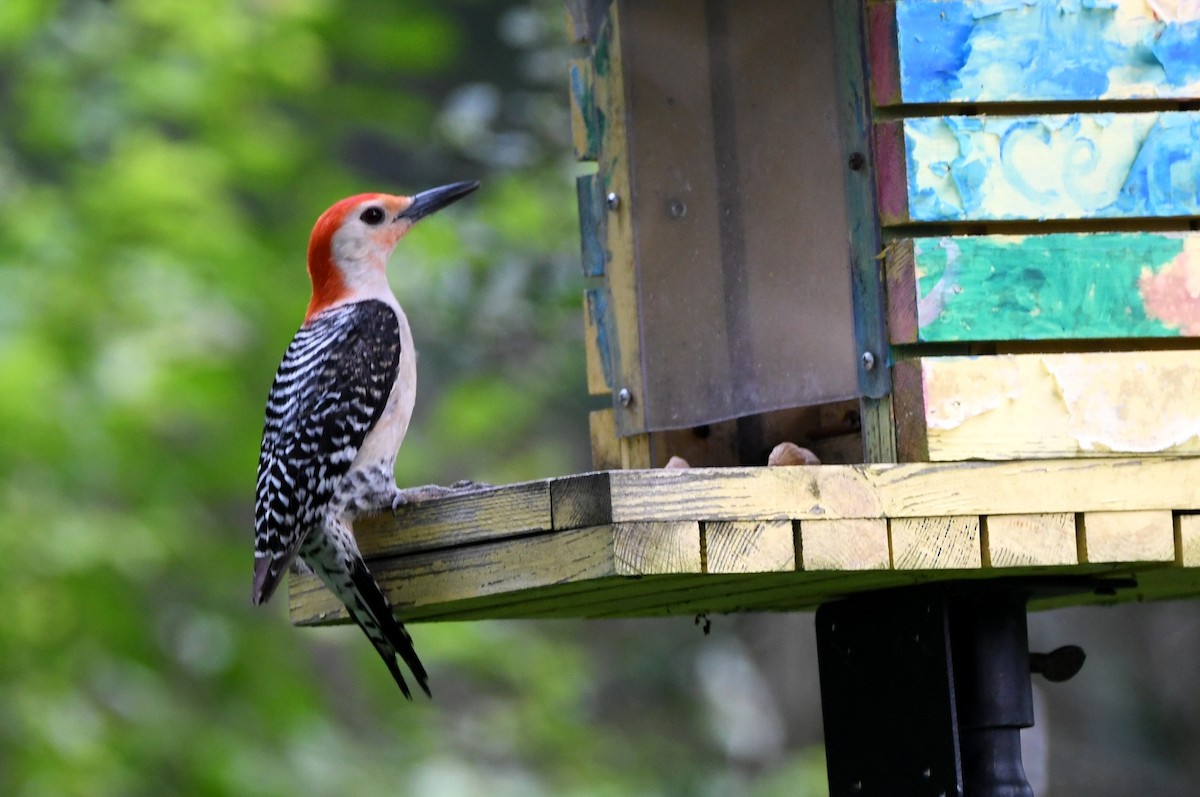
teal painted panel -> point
(1075, 166)
(1059, 286)
(1021, 50)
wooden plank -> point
(613, 177)
(606, 447)
(454, 574)
(1187, 540)
(652, 548)
(1050, 405)
(854, 544)
(597, 341)
(585, 131)
(1023, 540)
(1043, 287)
(859, 176)
(935, 543)
(464, 518)
(754, 546)
(964, 51)
(1032, 168)
(917, 489)
(1127, 536)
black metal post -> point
(990, 650)
(925, 690)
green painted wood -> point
(866, 274)
(1030, 168)
(1044, 287)
(967, 51)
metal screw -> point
(857, 161)
(677, 208)
(613, 201)
(624, 397)
(868, 361)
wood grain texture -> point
(606, 448)
(1147, 536)
(917, 489)
(1187, 540)
(852, 544)
(1026, 540)
(652, 566)
(455, 574)
(1043, 287)
(613, 177)
(461, 519)
(1050, 405)
(935, 543)
(755, 546)
(962, 51)
(1031, 168)
(654, 548)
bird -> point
(337, 412)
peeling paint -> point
(977, 386)
(1131, 402)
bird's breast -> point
(383, 440)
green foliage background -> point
(161, 164)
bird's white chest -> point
(384, 439)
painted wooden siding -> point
(1064, 166)
(959, 51)
(1034, 406)
(1044, 287)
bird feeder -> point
(948, 245)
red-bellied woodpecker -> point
(338, 411)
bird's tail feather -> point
(374, 616)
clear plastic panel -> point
(739, 208)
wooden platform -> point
(641, 543)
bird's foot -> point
(429, 492)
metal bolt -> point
(868, 361)
(857, 161)
(612, 200)
(677, 208)
(624, 397)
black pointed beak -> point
(435, 199)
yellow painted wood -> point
(1049, 405)
(649, 548)
(853, 544)
(914, 489)
(608, 81)
(756, 546)
(606, 447)
(455, 574)
(1147, 536)
(939, 543)
(635, 451)
(1187, 540)
(1138, 515)
(1023, 540)
(477, 516)
(582, 109)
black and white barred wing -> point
(330, 390)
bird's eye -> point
(372, 215)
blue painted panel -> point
(1073, 166)
(1013, 50)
